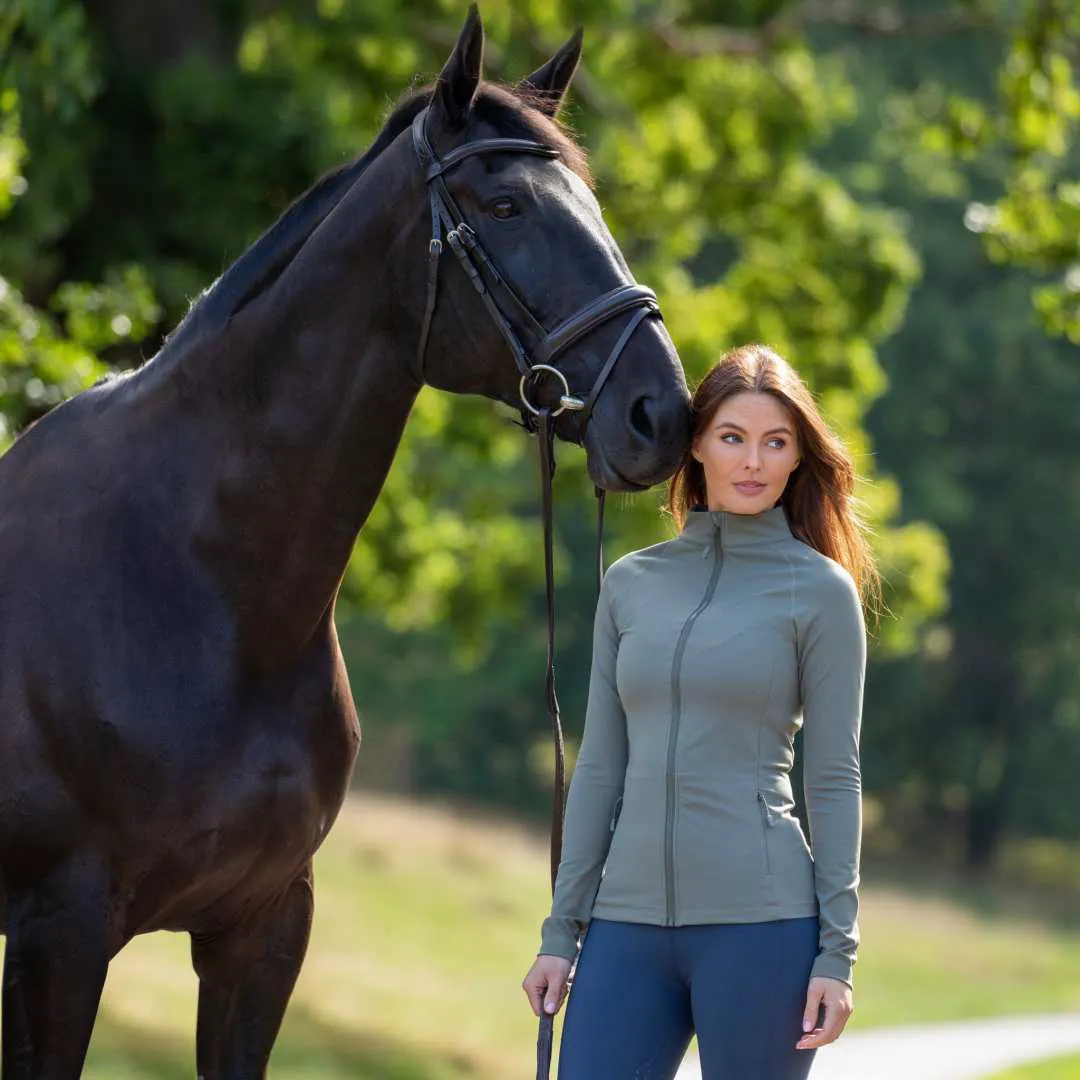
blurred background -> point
(886, 191)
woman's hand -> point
(545, 985)
(835, 997)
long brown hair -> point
(819, 497)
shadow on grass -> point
(988, 895)
(308, 1048)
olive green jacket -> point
(709, 652)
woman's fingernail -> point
(807, 1025)
(549, 1006)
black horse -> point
(176, 727)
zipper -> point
(673, 733)
(769, 821)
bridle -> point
(500, 299)
(507, 309)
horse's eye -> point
(503, 210)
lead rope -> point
(545, 431)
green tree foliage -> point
(1036, 223)
(1020, 132)
(142, 149)
(45, 76)
(977, 734)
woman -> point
(706, 912)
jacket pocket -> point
(615, 814)
(768, 821)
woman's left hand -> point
(835, 997)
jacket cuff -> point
(833, 965)
(559, 937)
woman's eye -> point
(777, 444)
(503, 209)
(729, 437)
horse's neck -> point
(317, 386)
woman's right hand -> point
(545, 984)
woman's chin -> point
(742, 503)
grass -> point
(1065, 1068)
(426, 919)
(927, 957)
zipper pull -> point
(766, 810)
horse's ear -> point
(547, 85)
(460, 77)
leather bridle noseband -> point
(501, 300)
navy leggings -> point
(640, 992)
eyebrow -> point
(742, 430)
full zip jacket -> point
(710, 651)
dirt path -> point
(963, 1051)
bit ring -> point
(567, 401)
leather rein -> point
(500, 299)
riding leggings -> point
(641, 991)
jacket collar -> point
(736, 530)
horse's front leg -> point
(59, 941)
(246, 976)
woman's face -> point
(748, 452)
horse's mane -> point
(264, 262)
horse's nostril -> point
(640, 420)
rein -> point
(447, 221)
(546, 435)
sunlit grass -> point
(426, 920)
(1064, 1068)
(424, 926)
(926, 958)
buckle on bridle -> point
(567, 401)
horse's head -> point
(537, 244)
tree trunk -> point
(161, 33)
(985, 822)
(993, 698)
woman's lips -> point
(750, 487)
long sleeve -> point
(832, 662)
(595, 789)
